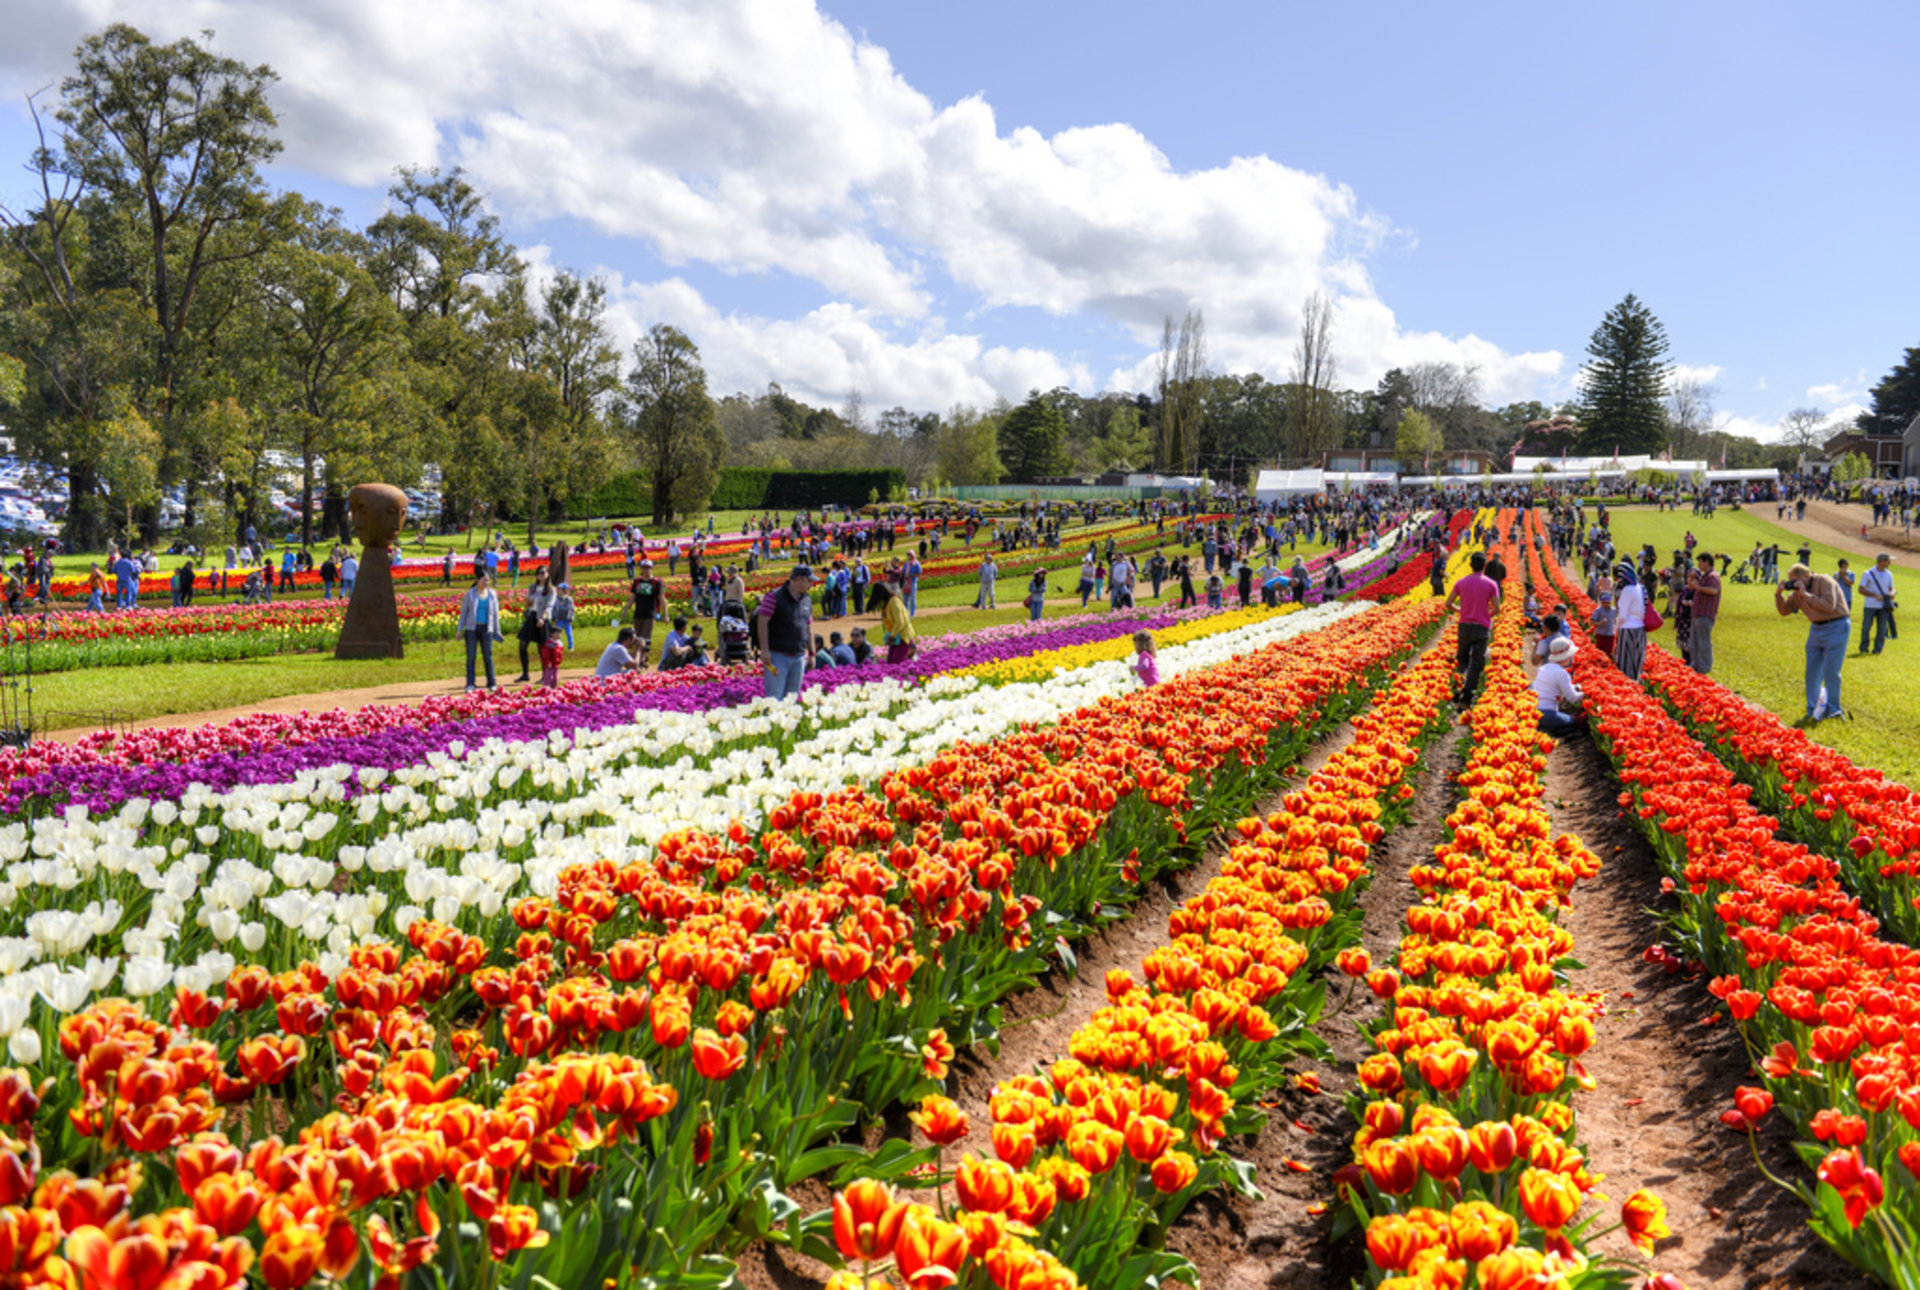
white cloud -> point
(1832, 392)
(760, 135)
(1705, 373)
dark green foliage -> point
(1624, 384)
(1896, 400)
(1033, 440)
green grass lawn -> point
(1761, 654)
(87, 697)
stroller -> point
(736, 641)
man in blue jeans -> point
(1821, 600)
(783, 625)
(1876, 597)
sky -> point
(936, 203)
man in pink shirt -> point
(1478, 597)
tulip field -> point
(653, 982)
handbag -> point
(1654, 621)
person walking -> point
(480, 626)
(96, 589)
(328, 571)
(1036, 595)
(649, 603)
(1630, 621)
(989, 576)
(1705, 585)
(1478, 597)
(1876, 602)
(1088, 563)
(349, 574)
(783, 626)
(1818, 597)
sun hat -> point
(1561, 650)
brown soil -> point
(1273, 1243)
(1039, 1022)
(1838, 525)
(1662, 1077)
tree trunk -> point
(306, 495)
(86, 526)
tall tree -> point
(1624, 383)
(77, 339)
(1032, 440)
(1689, 413)
(966, 446)
(173, 138)
(673, 422)
(1896, 399)
(340, 349)
(1416, 439)
(1313, 421)
(1182, 390)
(1804, 430)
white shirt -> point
(1632, 608)
(1551, 684)
(1874, 584)
(349, 569)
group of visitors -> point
(545, 631)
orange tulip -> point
(1393, 1241)
(1392, 1165)
(985, 1185)
(866, 1220)
(940, 1120)
(1094, 1146)
(1549, 1199)
(291, 1256)
(1174, 1172)
(1491, 1146)
(1644, 1215)
(1148, 1137)
(515, 1227)
(718, 1058)
(1442, 1150)
(1479, 1230)
(930, 1250)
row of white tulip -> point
(177, 894)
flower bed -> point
(1468, 1155)
(1824, 1004)
(645, 1056)
(1097, 1153)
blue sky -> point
(941, 203)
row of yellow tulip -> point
(1467, 1164)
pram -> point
(735, 638)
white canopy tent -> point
(1275, 484)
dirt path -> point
(1662, 1078)
(1839, 526)
(1274, 1243)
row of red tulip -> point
(1829, 1010)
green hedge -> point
(752, 488)
(746, 488)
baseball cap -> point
(801, 571)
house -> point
(1887, 453)
(1910, 450)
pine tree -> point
(1624, 384)
(1896, 400)
(1032, 440)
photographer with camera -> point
(1821, 600)
(1876, 599)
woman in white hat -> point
(1553, 688)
